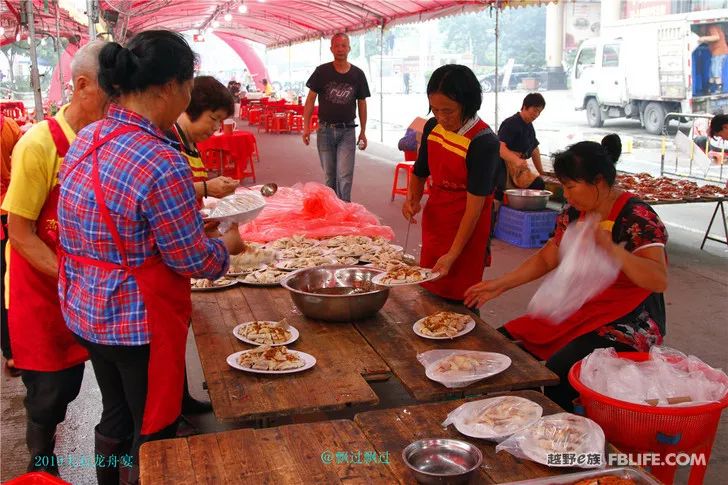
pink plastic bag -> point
(313, 210)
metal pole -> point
(497, 35)
(381, 84)
(58, 52)
(34, 77)
(290, 81)
(90, 14)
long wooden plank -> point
(289, 454)
(391, 334)
(335, 382)
(391, 430)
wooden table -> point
(292, 454)
(393, 429)
(344, 359)
(347, 354)
(390, 334)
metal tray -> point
(640, 477)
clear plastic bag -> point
(494, 419)
(669, 378)
(312, 210)
(584, 271)
(459, 368)
(553, 439)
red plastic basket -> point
(36, 478)
(649, 429)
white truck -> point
(647, 67)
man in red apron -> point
(50, 359)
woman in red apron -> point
(210, 103)
(630, 314)
(460, 153)
(131, 237)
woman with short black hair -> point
(460, 153)
(630, 314)
(210, 104)
(131, 237)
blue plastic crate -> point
(525, 229)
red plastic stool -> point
(279, 123)
(254, 115)
(255, 156)
(408, 167)
(296, 123)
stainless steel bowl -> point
(336, 293)
(442, 461)
(527, 199)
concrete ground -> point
(696, 300)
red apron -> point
(443, 212)
(40, 339)
(543, 339)
(166, 297)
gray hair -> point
(86, 60)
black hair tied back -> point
(152, 58)
(612, 144)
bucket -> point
(228, 126)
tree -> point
(46, 55)
(522, 35)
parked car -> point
(518, 74)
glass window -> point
(610, 55)
(586, 59)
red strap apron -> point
(442, 215)
(40, 339)
(543, 339)
(166, 297)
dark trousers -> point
(561, 362)
(48, 394)
(4, 335)
(537, 184)
(121, 372)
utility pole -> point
(34, 76)
(91, 13)
(59, 46)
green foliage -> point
(522, 35)
(47, 59)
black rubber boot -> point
(41, 441)
(110, 447)
(190, 405)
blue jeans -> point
(336, 148)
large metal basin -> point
(527, 199)
(442, 461)
(336, 293)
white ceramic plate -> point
(308, 359)
(469, 326)
(500, 363)
(246, 271)
(482, 431)
(378, 280)
(293, 330)
(228, 284)
(242, 279)
(281, 265)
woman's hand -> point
(211, 228)
(409, 209)
(604, 241)
(443, 264)
(478, 294)
(221, 186)
(232, 240)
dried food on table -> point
(268, 276)
(443, 324)
(270, 358)
(198, 283)
(300, 263)
(464, 362)
(338, 241)
(250, 260)
(292, 242)
(400, 273)
(301, 252)
(266, 332)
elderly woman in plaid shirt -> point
(131, 238)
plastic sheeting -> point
(312, 210)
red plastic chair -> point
(408, 168)
(221, 162)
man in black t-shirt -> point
(519, 143)
(341, 88)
